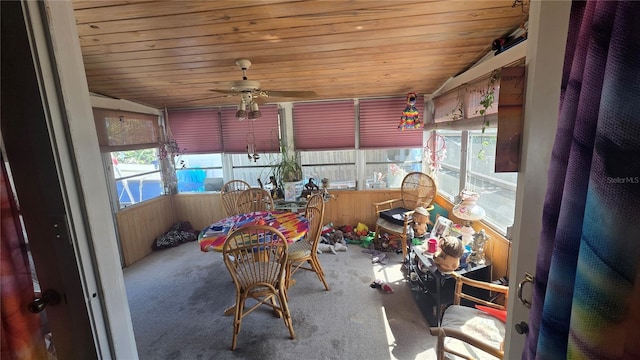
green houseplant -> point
(287, 172)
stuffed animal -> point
(361, 229)
(447, 257)
(325, 248)
(410, 118)
(337, 238)
(420, 221)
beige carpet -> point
(177, 297)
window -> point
(137, 175)
(497, 190)
(338, 166)
(470, 151)
(386, 168)
(199, 172)
(251, 170)
(448, 177)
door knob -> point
(49, 297)
(527, 278)
(522, 328)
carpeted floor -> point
(177, 297)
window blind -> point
(379, 120)
(196, 131)
(262, 132)
(464, 102)
(324, 125)
(122, 130)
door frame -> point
(547, 36)
(74, 244)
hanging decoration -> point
(251, 145)
(410, 118)
(169, 146)
(435, 152)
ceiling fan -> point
(251, 94)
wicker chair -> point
(229, 194)
(256, 257)
(305, 251)
(395, 215)
(254, 199)
(469, 332)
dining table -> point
(292, 225)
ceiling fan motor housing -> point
(245, 85)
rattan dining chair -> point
(476, 332)
(254, 199)
(229, 194)
(256, 257)
(395, 215)
(303, 254)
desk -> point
(431, 281)
(292, 225)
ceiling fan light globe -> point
(255, 114)
(241, 114)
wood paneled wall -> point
(200, 209)
(139, 225)
(351, 206)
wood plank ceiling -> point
(173, 53)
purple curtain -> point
(586, 299)
(20, 331)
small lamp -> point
(468, 211)
(255, 111)
(241, 114)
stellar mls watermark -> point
(624, 180)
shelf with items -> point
(432, 289)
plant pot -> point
(290, 190)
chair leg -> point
(237, 321)
(376, 234)
(315, 265)
(440, 348)
(403, 242)
(286, 315)
(287, 275)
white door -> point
(51, 145)
(37, 184)
(548, 24)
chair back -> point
(314, 212)
(229, 194)
(418, 189)
(254, 199)
(256, 256)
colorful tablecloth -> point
(292, 225)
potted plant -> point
(288, 172)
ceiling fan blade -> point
(291, 94)
(202, 98)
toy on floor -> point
(379, 284)
(326, 248)
(337, 238)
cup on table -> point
(432, 245)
